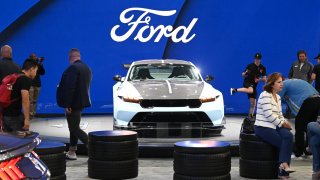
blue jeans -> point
(313, 131)
(281, 138)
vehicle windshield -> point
(164, 72)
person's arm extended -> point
(26, 108)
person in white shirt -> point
(271, 126)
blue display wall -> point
(220, 37)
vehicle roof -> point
(157, 61)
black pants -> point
(12, 123)
(308, 113)
(76, 133)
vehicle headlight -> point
(131, 99)
(205, 99)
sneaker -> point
(232, 91)
(316, 175)
(294, 157)
(307, 151)
(71, 156)
(282, 174)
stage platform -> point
(57, 129)
(149, 168)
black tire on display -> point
(183, 177)
(255, 150)
(61, 177)
(56, 163)
(50, 147)
(202, 147)
(202, 165)
(113, 136)
(113, 169)
(113, 151)
(249, 137)
(258, 169)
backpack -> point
(6, 89)
(248, 125)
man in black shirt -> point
(253, 73)
(316, 73)
(36, 85)
(13, 118)
(7, 66)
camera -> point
(40, 59)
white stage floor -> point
(58, 128)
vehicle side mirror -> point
(117, 78)
(209, 78)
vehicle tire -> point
(61, 177)
(202, 147)
(202, 165)
(113, 151)
(113, 136)
(56, 163)
(113, 169)
(255, 150)
(50, 147)
(258, 169)
(183, 177)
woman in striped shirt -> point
(270, 124)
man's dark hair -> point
(301, 52)
(28, 64)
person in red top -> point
(16, 115)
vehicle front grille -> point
(171, 117)
(192, 103)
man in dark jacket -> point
(302, 68)
(7, 66)
(73, 94)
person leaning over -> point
(13, 118)
(73, 94)
(271, 126)
(304, 101)
(316, 73)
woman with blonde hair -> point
(270, 124)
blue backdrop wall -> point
(226, 35)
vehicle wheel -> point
(182, 177)
(113, 169)
(113, 151)
(202, 165)
(258, 169)
(112, 136)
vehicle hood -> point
(168, 89)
